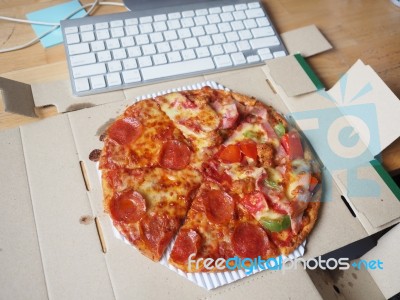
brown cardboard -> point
(58, 92)
(65, 255)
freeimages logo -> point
(345, 138)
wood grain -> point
(368, 30)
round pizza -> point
(219, 173)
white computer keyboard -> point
(124, 50)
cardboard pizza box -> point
(56, 242)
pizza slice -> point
(148, 206)
(216, 227)
(142, 137)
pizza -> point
(217, 173)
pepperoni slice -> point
(125, 131)
(127, 207)
(249, 240)
(175, 155)
(187, 243)
(157, 231)
(219, 206)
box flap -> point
(306, 40)
(21, 275)
(17, 97)
(387, 251)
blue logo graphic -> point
(345, 136)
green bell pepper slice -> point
(276, 225)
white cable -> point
(92, 5)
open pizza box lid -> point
(57, 242)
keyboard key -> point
(144, 20)
(178, 68)
(238, 58)
(117, 32)
(201, 12)
(129, 63)
(97, 46)
(170, 35)
(211, 29)
(253, 58)
(216, 50)
(81, 84)
(160, 59)
(102, 34)
(250, 23)
(230, 48)
(145, 28)
(239, 15)
(132, 30)
(72, 38)
(174, 56)
(205, 40)
(177, 45)
(215, 10)
(113, 79)
(89, 70)
(82, 59)
(224, 27)
(132, 21)
(254, 13)
(279, 54)
(142, 39)
(188, 54)
(112, 44)
(134, 51)
(162, 17)
(243, 45)
(200, 20)
(264, 53)
(160, 26)
(212, 19)
(188, 13)
(245, 34)
(218, 38)
(264, 42)
(262, 22)
(87, 36)
(97, 82)
(173, 24)
(88, 27)
(187, 22)
(175, 15)
(114, 66)
(222, 61)
(102, 25)
(119, 54)
(72, 29)
(184, 33)
(127, 41)
(254, 4)
(241, 6)
(163, 47)
(156, 37)
(263, 31)
(202, 52)
(226, 17)
(103, 56)
(228, 8)
(149, 49)
(116, 23)
(232, 36)
(144, 61)
(191, 43)
(131, 76)
(237, 25)
(78, 48)
(198, 31)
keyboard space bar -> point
(179, 68)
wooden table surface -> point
(367, 29)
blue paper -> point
(53, 14)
